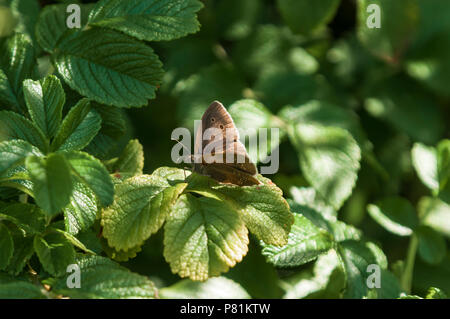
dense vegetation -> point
(86, 175)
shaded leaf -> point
(103, 278)
(52, 181)
(78, 128)
(55, 252)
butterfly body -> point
(232, 163)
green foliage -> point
(104, 278)
(150, 20)
(362, 192)
(302, 17)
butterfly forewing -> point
(218, 137)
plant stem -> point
(407, 277)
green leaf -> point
(432, 247)
(28, 217)
(103, 278)
(328, 114)
(6, 246)
(55, 252)
(262, 208)
(249, 116)
(14, 152)
(435, 213)
(220, 82)
(23, 250)
(17, 63)
(131, 160)
(81, 212)
(433, 165)
(264, 282)
(26, 12)
(398, 22)
(141, 206)
(435, 293)
(304, 16)
(52, 182)
(329, 159)
(356, 257)
(306, 242)
(405, 112)
(326, 281)
(114, 126)
(15, 126)
(91, 172)
(149, 20)
(73, 240)
(213, 288)
(52, 24)
(45, 99)
(129, 77)
(78, 128)
(203, 237)
(424, 160)
(120, 255)
(277, 89)
(17, 288)
(443, 164)
(429, 62)
(236, 19)
(395, 214)
(308, 203)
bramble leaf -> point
(52, 181)
(15, 126)
(17, 63)
(306, 242)
(131, 160)
(45, 99)
(81, 212)
(203, 237)
(262, 207)
(103, 278)
(6, 246)
(398, 22)
(14, 152)
(52, 24)
(213, 288)
(28, 217)
(432, 247)
(435, 213)
(17, 288)
(329, 158)
(304, 16)
(141, 206)
(55, 252)
(78, 128)
(395, 214)
(149, 20)
(92, 173)
(109, 67)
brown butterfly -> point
(240, 170)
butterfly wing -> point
(240, 169)
(225, 173)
